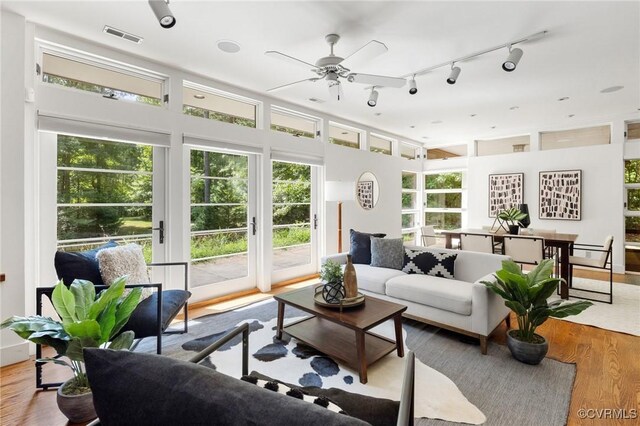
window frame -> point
(361, 134)
(462, 191)
(391, 142)
(416, 211)
(419, 154)
(296, 114)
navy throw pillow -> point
(81, 265)
(438, 264)
(360, 250)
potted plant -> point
(86, 322)
(526, 295)
(512, 216)
(331, 275)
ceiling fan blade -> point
(335, 91)
(273, 89)
(290, 59)
(365, 53)
(376, 80)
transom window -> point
(599, 135)
(503, 145)
(633, 131)
(443, 200)
(444, 153)
(205, 102)
(295, 124)
(345, 136)
(409, 151)
(380, 144)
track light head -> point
(161, 10)
(413, 87)
(373, 98)
(512, 61)
(453, 77)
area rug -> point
(454, 381)
(622, 316)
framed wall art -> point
(505, 191)
(560, 195)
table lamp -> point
(339, 191)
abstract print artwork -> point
(560, 194)
(365, 194)
(505, 191)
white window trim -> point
(392, 142)
(362, 138)
(286, 111)
(463, 191)
(421, 150)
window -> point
(409, 151)
(445, 153)
(205, 102)
(503, 145)
(443, 200)
(380, 144)
(632, 215)
(104, 192)
(633, 132)
(410, 206)
(219, 225)
(109, 81)
(345, 136)
(295, 124)
(600, 135)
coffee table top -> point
(371, 313)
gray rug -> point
(505, 390)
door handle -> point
(160, 230)
(315, 221)
(254, 225)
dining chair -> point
(528, 250)
(497, 245)
(604, 261)
(428, 235)
(477, 242)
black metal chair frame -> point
(608, 261)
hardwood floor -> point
(607, 377)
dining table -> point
(563, 243)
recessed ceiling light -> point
(564, 98)
(412, 126)
(493, 127)
(514, 107)
(425, 137)
(571, 115)
(436, 122)
(472, 115)
(228, 46)
(612, 89)
(198, 96)
(377, 113)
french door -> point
(223, 222)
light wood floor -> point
(608, 367)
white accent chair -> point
(477, 242)
(428, 235)
(524, 249)
(604, 261)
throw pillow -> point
(279, 387)
(438, 264)
(387, 253)
(81, 265)
(360, 250)
(124, 260)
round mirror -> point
(367, 190)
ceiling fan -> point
(334, 68)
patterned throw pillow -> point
(387, 252)
(438, 264)
(124, 260)
(294, 393)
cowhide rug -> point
(289, 360)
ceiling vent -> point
(122, 34)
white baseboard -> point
(15, 353)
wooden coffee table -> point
(343, 335)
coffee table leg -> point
(279, 326)
(399, 344)
(362, 356)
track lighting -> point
(453, 77)
(373, 98)
(413, 88)
(161, 10)
(513, 59)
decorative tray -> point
(344, 303)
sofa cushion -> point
(438, 264)
(143, 319)
(142, 389)
(81, 265)
(446, 294)
(373, 279)
(360, 246)
(387, 253)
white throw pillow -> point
(127, 260)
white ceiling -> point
(590, 46)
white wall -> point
(602, 190)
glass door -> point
(223, 222)
(295, 220)
(632, 215)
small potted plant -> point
(333, 289)
(512, 216)
(526, 295)
(86, 322)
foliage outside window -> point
(632, 211)
(410, 206)
(211, 104)
(96, 79)
(218, 116)
(292, 124)
(380, 145)
(104, 191)
(443, 200)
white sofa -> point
(462, 304)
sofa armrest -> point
(488, 309)
(339, 258)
